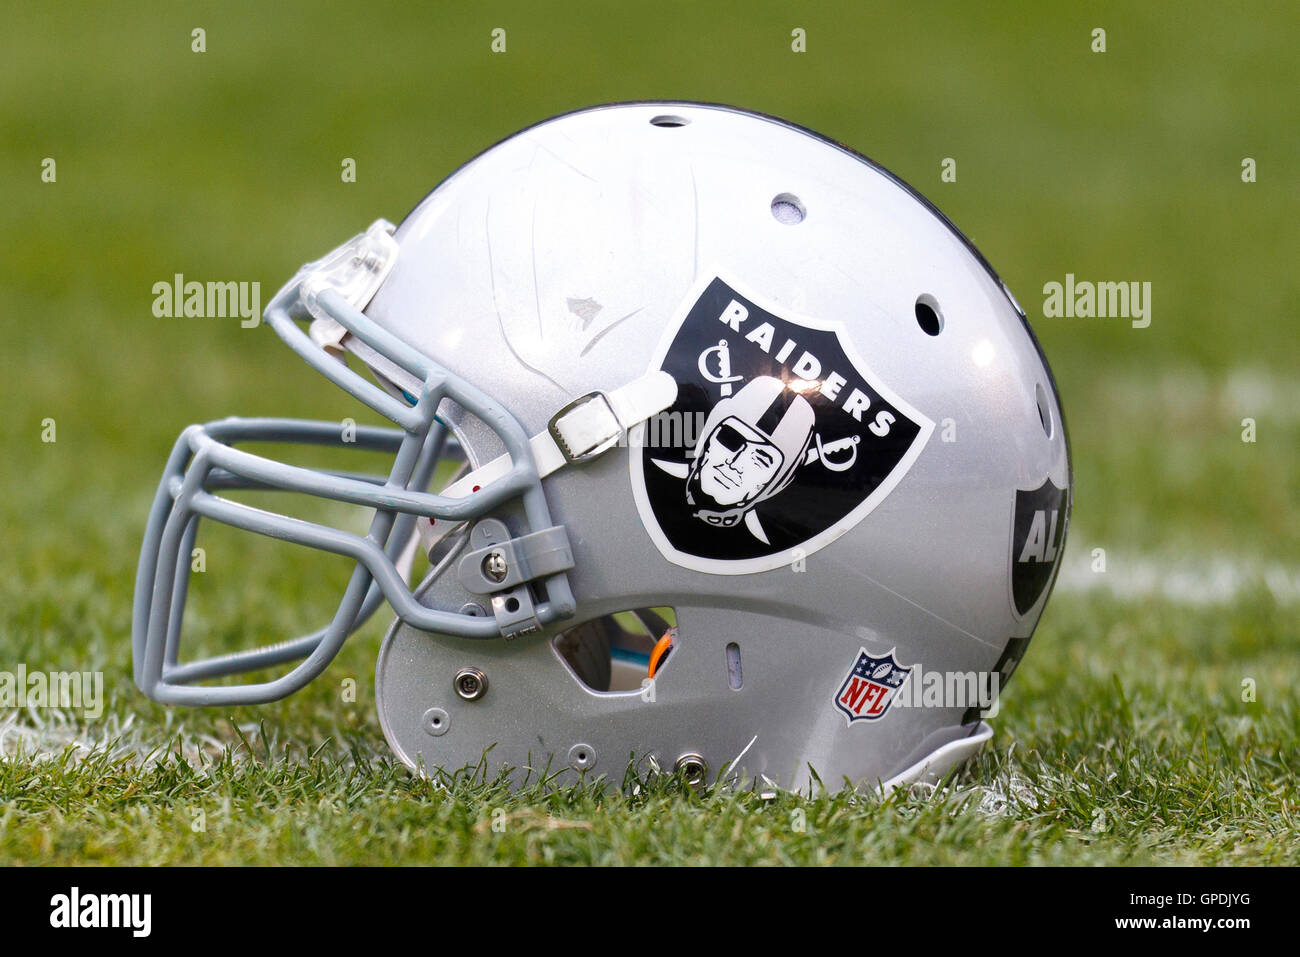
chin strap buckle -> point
(585, 428)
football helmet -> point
(764, 472)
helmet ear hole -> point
(615, 652)
(586, 649)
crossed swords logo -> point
(820, 450)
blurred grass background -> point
(1123, 165)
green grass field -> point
(1124, 738)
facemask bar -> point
(205, 460)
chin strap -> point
(582, 430)
(585, 428)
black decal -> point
(1037, 539)
(776, 443)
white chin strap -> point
(583, 429)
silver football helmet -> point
(764, 471)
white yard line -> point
(1246, 392)
(1179, 579)
(33, 735)
(1242, 392)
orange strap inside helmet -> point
(660, 653)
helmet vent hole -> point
(1044, 410)
(735, 677)
(787, 209)
(928, 316)
(669, 122)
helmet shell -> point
(562, 261)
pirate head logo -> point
(870, 686)
(780, 439)
(753, 444)
(1038, 527)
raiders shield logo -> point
(780, 440)
(870, 686)
(1037, 539)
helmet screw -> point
(692, 768)
(495, 567)
(471, 684)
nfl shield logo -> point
(870, 686)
